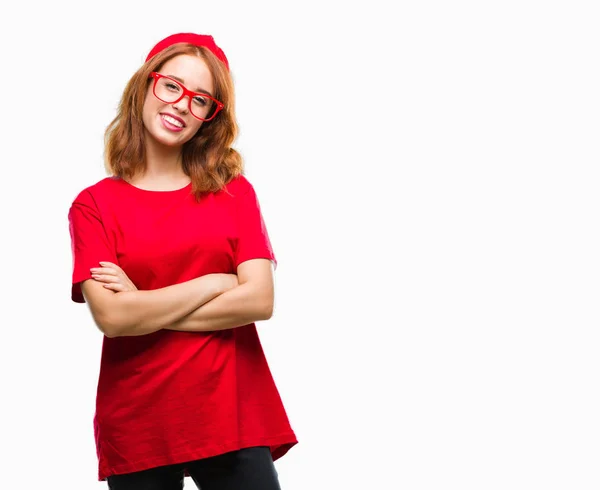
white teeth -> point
(173, 121)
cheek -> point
(147, 111)
(151, 103)
(195, 126)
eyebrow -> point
(200, 90)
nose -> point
(182, 105)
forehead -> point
(193, 70)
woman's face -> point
(173, 124)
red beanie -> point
(195, 39)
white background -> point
(429, 179)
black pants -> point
(247, 469)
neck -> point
(162, 161)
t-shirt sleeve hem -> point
(258, 256)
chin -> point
(171, 143)
(158, 135)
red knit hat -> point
(195, 39)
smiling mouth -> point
(172, 121)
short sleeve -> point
(89, 241)
(253, 239)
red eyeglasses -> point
(168, 90)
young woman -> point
(173, 258)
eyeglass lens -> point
(169, 91)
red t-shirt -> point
(171, 397)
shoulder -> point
(97, 196)
(239, 186)
(97, 191)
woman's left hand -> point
(113, 277)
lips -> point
(178, 119)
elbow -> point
(109, 309)
(112, 332)
(119, 326)
(118, 321)
(269, 312)
(259, 304)
(108, 326)
(266, 312)
(115, 322)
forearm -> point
(239, 306)
(143, 312)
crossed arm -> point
(250, 301)
(208, 303)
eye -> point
(172, 86)
(201, 101)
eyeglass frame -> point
(157, 76)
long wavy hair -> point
(207, 158)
